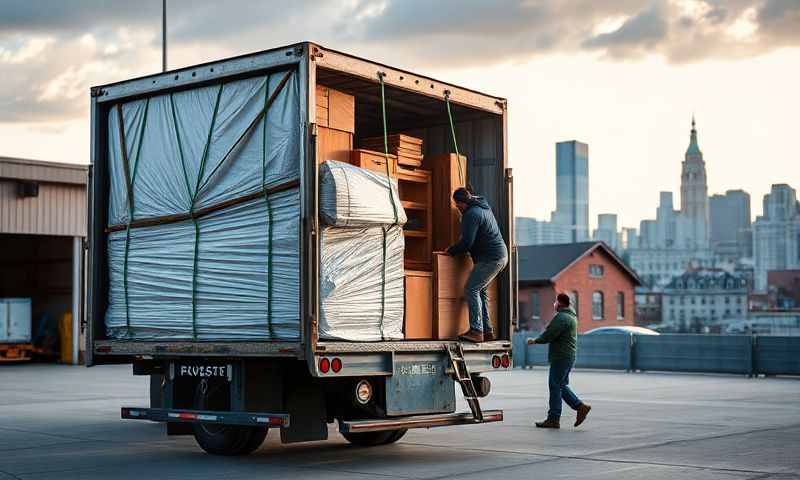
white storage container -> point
(15, 320)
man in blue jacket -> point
(480, 236)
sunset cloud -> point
(52, 52)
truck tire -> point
(223, 439)
(371, 439)
(229, 440)
(257, 437)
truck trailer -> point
(206, 250)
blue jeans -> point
(477, 293)
(559, 387)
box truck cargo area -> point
(219, 265)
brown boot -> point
(549, 423)
(489, 337)
(472, 335)
(582, 410)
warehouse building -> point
(43, 220)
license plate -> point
(205, 371)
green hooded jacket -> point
(562, 335)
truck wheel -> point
(229, 439)
(223, 439)
(370, 439)
(257, 437)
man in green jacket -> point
(562, 335)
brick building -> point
(598, 281)
(783, 288)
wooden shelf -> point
(416, 233)
(419, 176)
(414, 205)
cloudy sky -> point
(624, 76)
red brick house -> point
(600, 284)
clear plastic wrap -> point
(361, 284)
(350, 196)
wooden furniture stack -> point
(434, 283)
(416, 195)
(335, 124)
(407, 149)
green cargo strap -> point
(269, 208)
(193, 195)
(250, 127)
(386, 147)
(391, 200)
(383, 282)
(130, 179)
(461, 175)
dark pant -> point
(559, 387)
(477, 293)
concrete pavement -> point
(60, 422)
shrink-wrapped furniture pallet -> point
(352, 196)
(361, 283)
(361, 259)
(204, 213)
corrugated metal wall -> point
(40, 171)
(478, 140)
(59, 209)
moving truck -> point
(192, 168)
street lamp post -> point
(163, 35)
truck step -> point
(418, 421)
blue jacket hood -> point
(479, 202)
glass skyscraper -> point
(572, 188)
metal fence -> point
(742, 354)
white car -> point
(626, 329)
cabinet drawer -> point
(375, 161)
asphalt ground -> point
(61, 422)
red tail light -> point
(324, 365)
(495, 361)
(336, 365)
(506, 361)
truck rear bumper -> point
(418, 421)
(248, 419)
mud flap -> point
(305, 403)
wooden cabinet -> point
(418, 322)
(335, 109)
(333, 144)
(415, 192)
(446, 178)
(374, 161)
(451, 314)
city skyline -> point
(626, 80)
(693, 155)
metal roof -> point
(42, 171)
(543, 263)
(57, 208)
